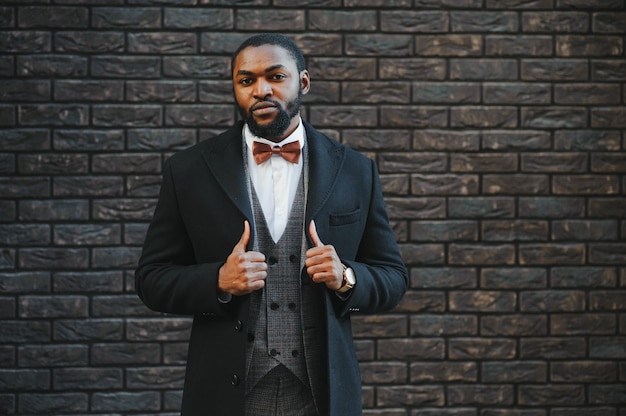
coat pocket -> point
(345, 218)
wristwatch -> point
(349, 280)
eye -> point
(245, 81)
(279, 77)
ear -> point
(305, 81)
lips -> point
(263, 107)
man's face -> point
(268, 90)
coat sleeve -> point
(382, 278)
(168, 277)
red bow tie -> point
(290, 152)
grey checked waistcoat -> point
(286, 317)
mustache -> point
(263, 104)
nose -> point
(262, 89)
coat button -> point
(234, 380)
(238, 326)
(272, 260)
(274, 353)
(274, 306)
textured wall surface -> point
(499, 130)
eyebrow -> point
(267, 70)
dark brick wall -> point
(499, 129)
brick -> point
(126, 115)
(163, 43)
(339, 69)
(448, 45)
(554, 70)
(430, 301)
(585, 185)
(270, 20)
(25, 91)
(483, 69)
(31, 282)
(72, 186)
(553, 348)
(592, 94)
(53, 210)
(554, 162)
(165, 377)
(583, 277)
(607, 347)
(53, 258)
(444, 231)
(551, 207)
(126, 401)
(554, 117)
(197, 115)
(508, 45)
(143, 186)
(125, 66)
(443, 277)
(607, 253)
(413, 21)
(25, 41)
(483, 21)
(43, 65)
(607, 207)
(125, 353)
(51, 403)
(480, 207)
(99, 330)
(340, 116)
(55, 17)
(88, 91)
(88, 42)
(516, 93)
(442, 372)
(484, 301)
(15, 380)
(513, 278)
(440, 140)
(125, 17)
(478, 394)
(353, 20)
(385, 373)
(41, 306)
(379, 45)
(520, 4)
(588, 140)
(88, 282)
(53, 115)
(25, 139)
(481, 348)
(197, 18)
(483, 117)
(417, 396)
(52, 355)
(423, 254)
(158, 329)
(123, 209)
(126, 163)
(518, 230)
(583, 230)
(608, 117)
(549, 22)
(411, 68)
(219, 91)
(415, 208)
(582, 324)
(520, 184)
(375, 92)
(413, 116)
(551, 254)
(551, 395)
(514, 372)
(608, 70)
(88, 140)
(78, 378)
(368, 326)
(442, 325)
(41, 164)
(449, 92)
(581, 45)
(607, 394)
(589, 4)
(24, 234)
(552, 301)
(608, 162)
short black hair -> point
(272, 39)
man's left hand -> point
(323, 263)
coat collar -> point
(224, 157)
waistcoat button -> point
(234, 380)
(274, 306)
(238, 326)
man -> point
(271, 256)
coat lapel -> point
(224, 156)
(325, 162)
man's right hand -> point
(244, 271)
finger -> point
(245, 237)
(313, 232)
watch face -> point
(349, 274)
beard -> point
(277, 127)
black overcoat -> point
(198, 220)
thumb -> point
(313, 232)
(245, 237)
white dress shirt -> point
(275, 181)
